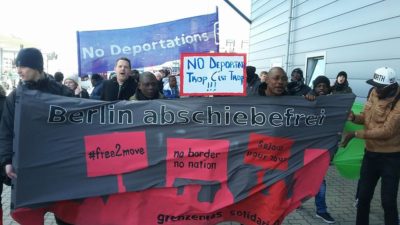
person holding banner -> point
(29, 64)
(321, 86)
(381, 119)
(147, 88)
(277, 81)
(122, 86)
(276, 84)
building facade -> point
(323, 37)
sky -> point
(52, 24)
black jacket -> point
(140, 97)
(112, 91)
(2, 100)
(341, 88)
(3, 176)
(298, 88)
(83, 94)
(46, 85)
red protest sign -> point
(115, 153)
(268, 152)
(197, 159)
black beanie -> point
(342, 73)
(299, 71)
(321, 79)
(250, 70)
(30, 57)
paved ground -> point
(340, 199)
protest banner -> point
(183, 162)
(148, 45)
(204, 74)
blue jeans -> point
(320, 202)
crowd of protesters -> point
(381, 116)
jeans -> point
(320, 202)
(374, 166)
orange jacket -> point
(382, 124)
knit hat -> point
(321, 79)
(383, 77)
(30, 57)
(299, 71)
(342, 73)
(73, 77)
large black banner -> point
(228, 147)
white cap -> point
(383, 76)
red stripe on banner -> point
(27, 216)
(267, 207)
(308, 179)
(121, 186)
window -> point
(315, 66)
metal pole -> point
(238, 11)
(289, 35)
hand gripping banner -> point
(172, 162)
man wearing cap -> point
(381, 119)
(29, 64)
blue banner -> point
(146, 46)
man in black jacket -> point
(148, 88)
(122, 86)
(29, 63)
(297, 86)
